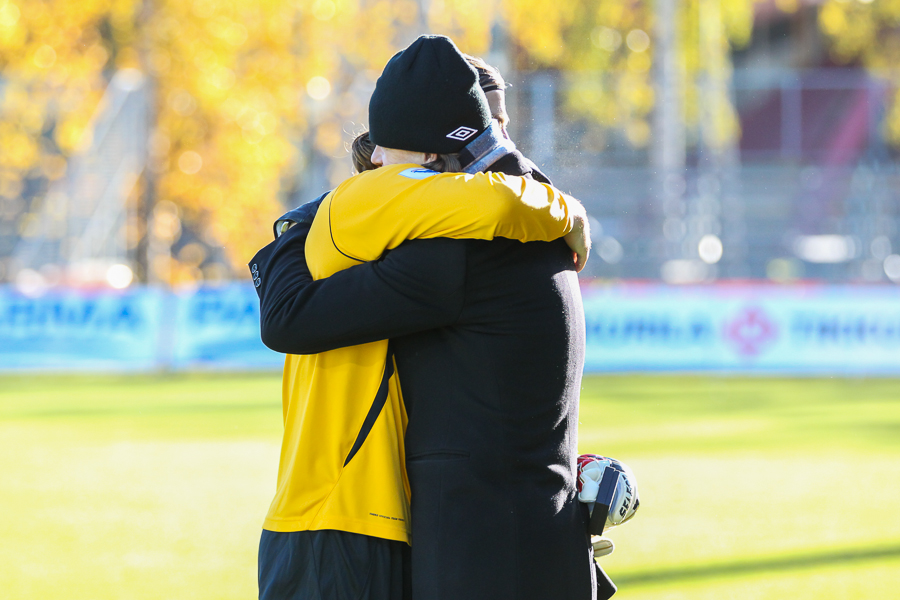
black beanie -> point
(428, 100)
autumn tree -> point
(868, 32)
(247, 92)
(235, 84)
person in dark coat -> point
(488, 339)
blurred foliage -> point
(235, 84)
(612, 42)
(614, 38)
(868, 32)
(247, 92)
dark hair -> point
(489, 78)
(445, 163)
(361, 150)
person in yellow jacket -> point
(342, 466)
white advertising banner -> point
(807, 329)
(847, 330)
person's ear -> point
(377, 158)
(430, 157)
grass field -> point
(155, 487)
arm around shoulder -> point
(418, 286)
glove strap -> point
(604, 500)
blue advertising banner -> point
(743, 328)
(219, 327)
(68, 329)
(851, 330)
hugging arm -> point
(363, 223)
(415, 287)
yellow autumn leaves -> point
(246, 92)
(868, 31)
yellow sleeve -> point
(378, 210)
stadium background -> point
(738, 160)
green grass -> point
(155, 487)
(753, 488)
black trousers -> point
(331, 565)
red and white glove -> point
(625, 502)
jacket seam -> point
(331, 234)
(347, 524)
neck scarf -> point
(486, 149)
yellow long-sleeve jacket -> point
(335, 472)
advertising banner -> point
(743, 328)
(752, 328)
(92, 330)
(219, 327)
